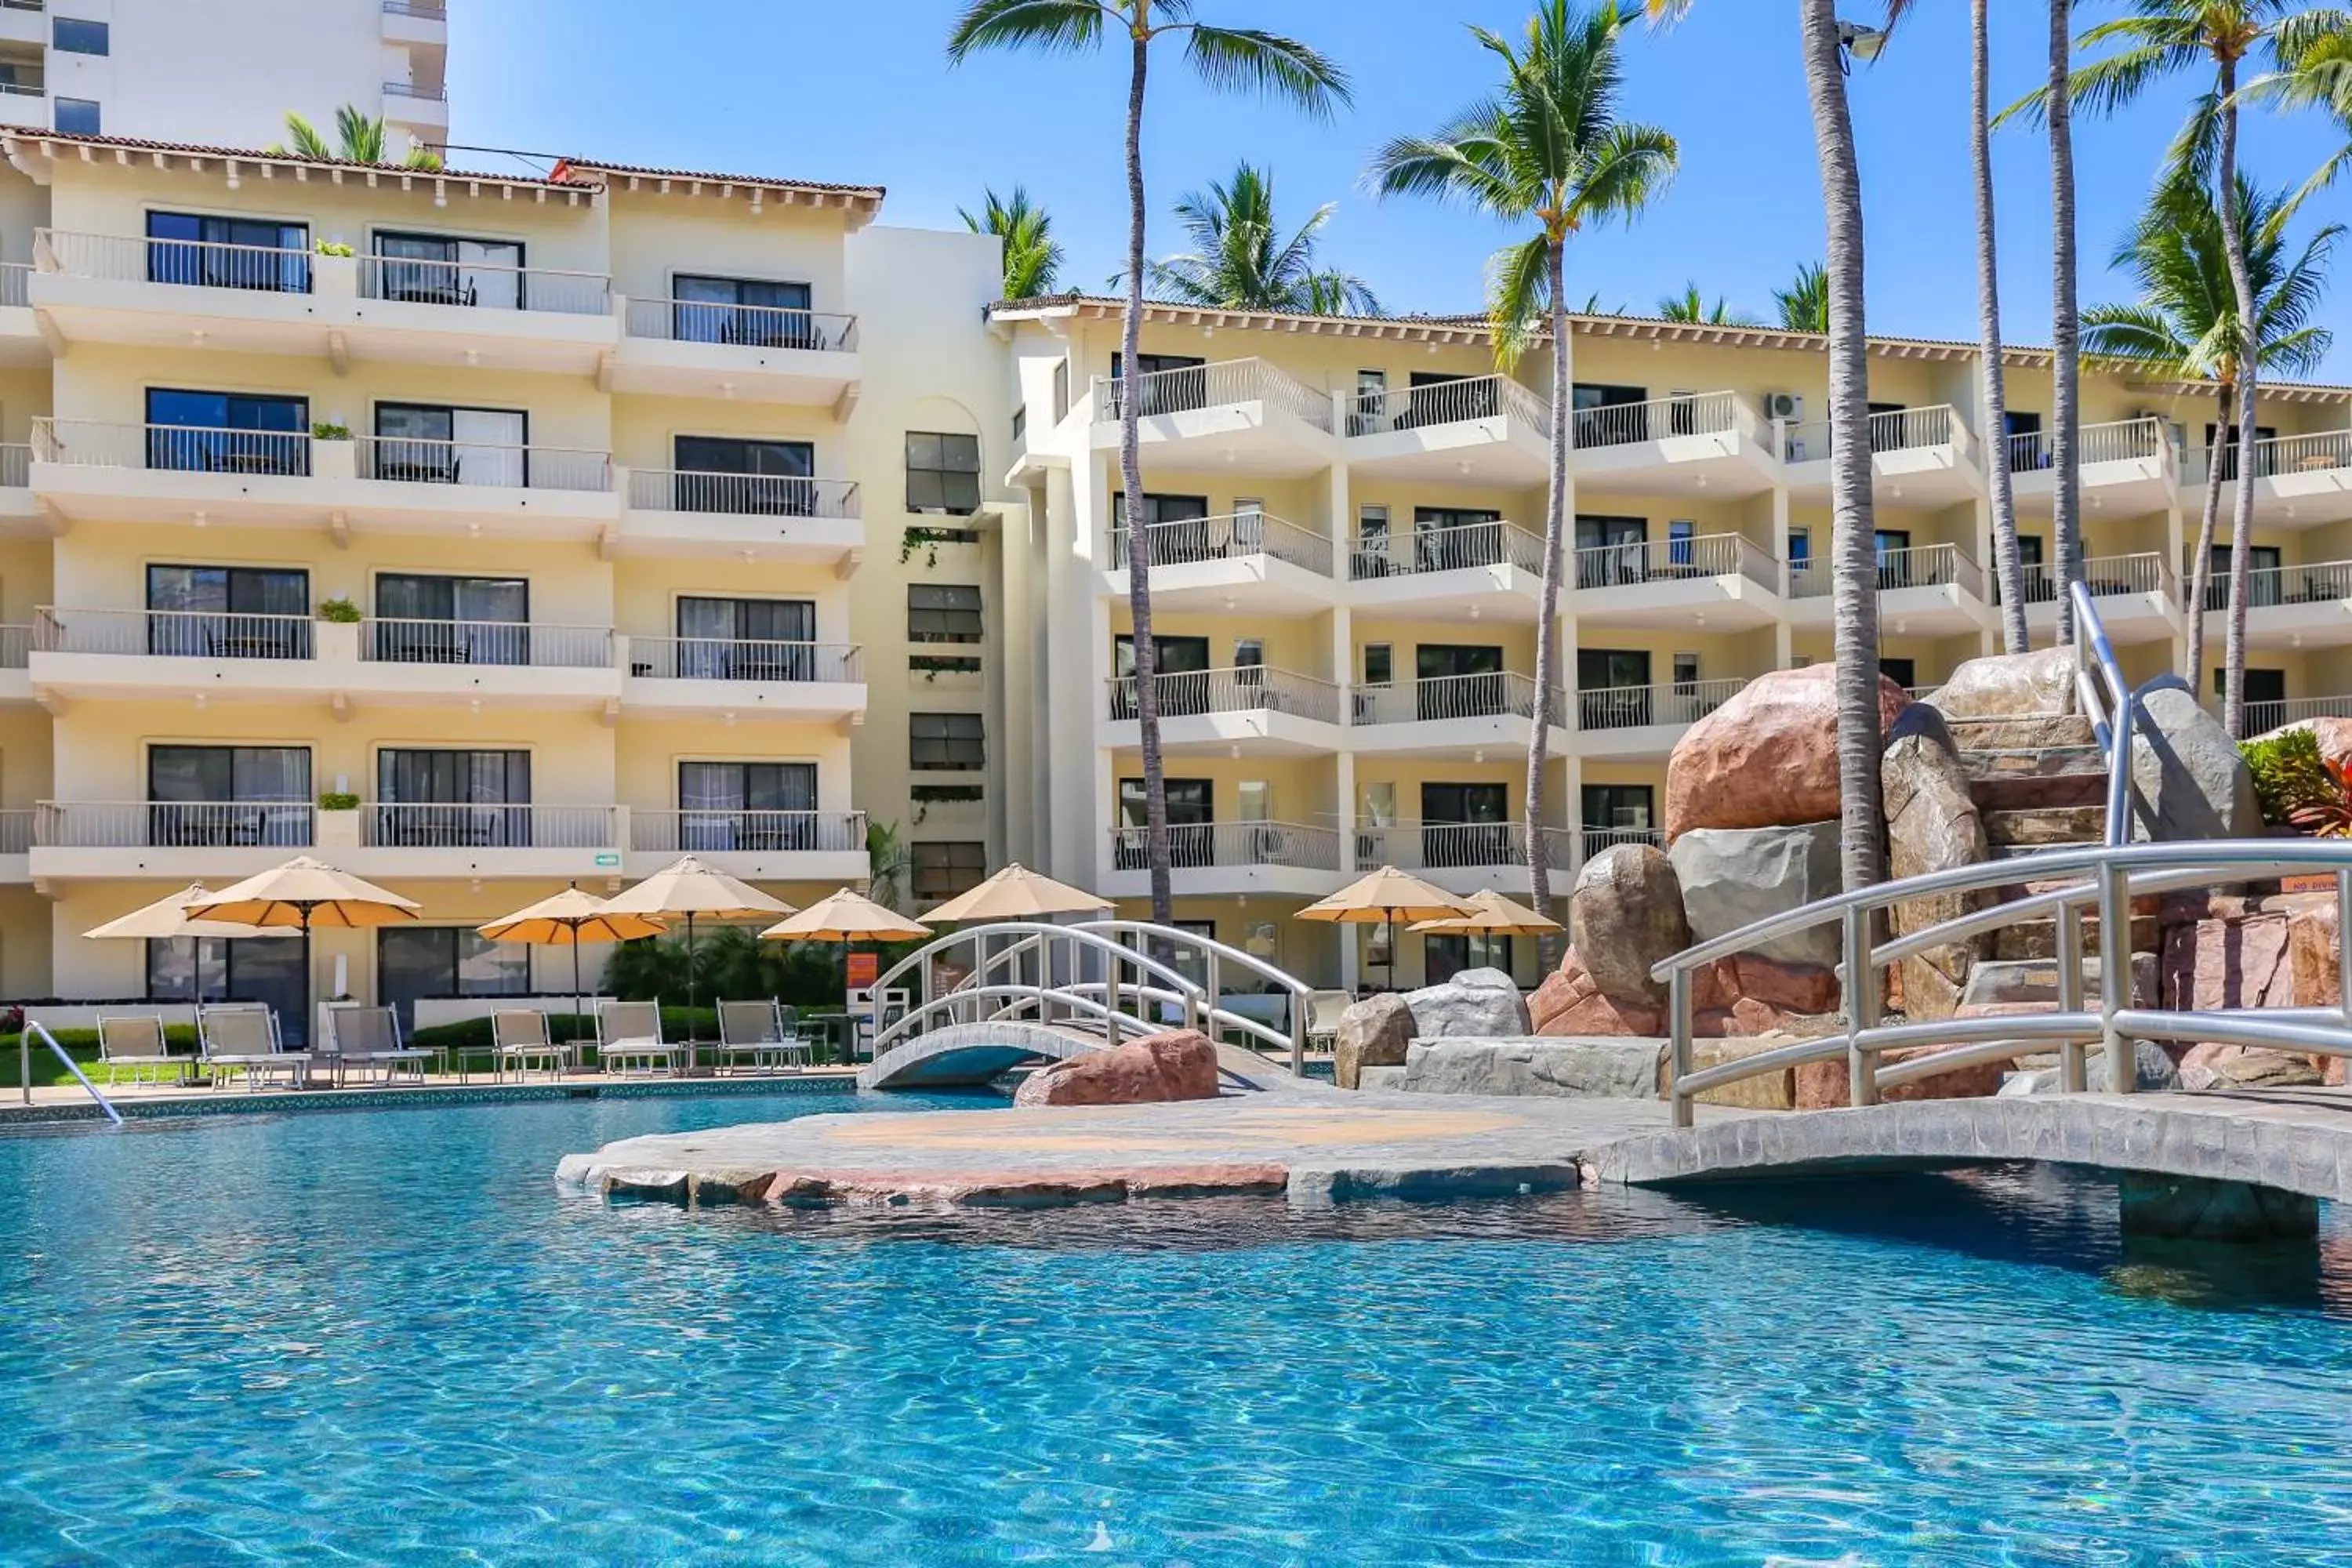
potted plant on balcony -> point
(339, 821)
(337, 631)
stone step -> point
(2017, 982)
(2006, 780)
(2019, 734)
(2044, 827)
(2038, 939)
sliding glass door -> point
(441, 445)
(747, 806)
(451, 620)
(228, 612)
(465, 798)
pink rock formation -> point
(1767, 758)
(1180, 1064)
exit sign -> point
(608, 859)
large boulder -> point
(1572, 1069)
(2314, 980)
(2011, 686)
(1932, 825)
(1767, 757)
(1625, 915)
(1476, 1004)
(2190, 780)
(1825, 1086)
(1732, 876)
(1373, 1033)
(1571, 1003)
(1749, 994)
(1181, 1064)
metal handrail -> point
(2110, 726)
(1217, 955)
(24, 1068)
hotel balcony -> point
(1211, 859)
(415, 24)
(2287, 605)
(2128, 469)
(1934, 589)
(2299, 481)
(1630, 723)
(15, 847)
(686, 348)
(419, 108)
(82, 469)
(169, 294)
(1469, 571)
(1723, 580)
(1251, 563)
(173, 841)
(25, 22)
(1922, 457)
(1463, 858)
(213, 655)
(701, 678)
(2139, 595)
(1451, 715)
(761, 517)
(21, 343)
(1258, 710)
(1712, 442)
(827, 847)
(1243, 415)
(437, 842)
(1483, 430)
(20, 513)
(15, 664)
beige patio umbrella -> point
(567, 919)
(306, 893)
(1017, 893)
(1387, 896)
(847, 918)
(688, 887)
(167, 920)
(1494, 915)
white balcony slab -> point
(835, 541)
(1497, 737)
(1247, 584)
(1501, 591)
(2302, 499)
(1712, 443)
(2129, 617)
(833, 868)
(804, 701)
(1258, 731)
(395, 863)
(1254, 436)
(1303, 882)
(179, 865)
(1728, 600)
(1938, 609)
(1499, 451)
(666, 367)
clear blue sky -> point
(863, 92)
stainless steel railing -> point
(435, 825)
(2119, 440)
(741, 495)
(741, 326)
(198, 263)
(181, 447)
(485, 286)
(1189, 387)
(1675, 559)
(174, 824)
(411, 460)
(1440, 845)
(174, 634)
(718, 830)
(1453, 548)
(1450, 402)
(1920, 566)
(1202, 843)
(1673, 702)
(402, 640)
(1184, 541)
(715, 659)
(1245, 689)
(24, 1069)
(1625, 423)
(1502, 694)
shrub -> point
(343, 612)
(332, 248)
(323, 431)
(2289, 775)
(338, 800)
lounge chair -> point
(755, 1033)
(243, 1037)
(519, 1036)
(135, 1040)
(367, 1038)
(1323, 1010)
(629, 1032)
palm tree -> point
(360, 139)
(2314, 56)
(2161, 38)
(2066, 333)
(1239, 261)
(1032, 258)
(1228, 57)
(1690, 305)
(1804, 304)
(2009, 571)
(1546, 149)
(2185, 325)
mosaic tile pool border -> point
(234, 1102)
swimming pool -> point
(385, 1337)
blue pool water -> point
(387, 1338)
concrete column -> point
(1784, 646)
(1344, 816)
(1077, 619)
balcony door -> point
(1616, 813)
(227, 432)
(446, 269)
(2026, 448)
(442, 444)
(264, 969)
(2265, 582)
(1457, 681)
(451, 620)
(1174, 382)
(454, 798)
(742, 310)
(2230, 454)
(1441, 399)
(223, 795)
(1448, 538)
(746, 639)
(1165, 521)
(1191, 806)
(1610, 550)
(228, 253)
(1892, 547)
(228, 612)
(757, 478)
(1612, 687)
(748, 806)
(1181, 665)
(1607, 416)
(1465, 825)
(1903, 672)
(2265, 697)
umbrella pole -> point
(310, 984)
(575, 983)
(690, 986)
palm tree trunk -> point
(1547, 604)
(1861, 847)
(1139, 538)
(2200, 565)
(2065, 330)
(2008, 574)
(2241, 519)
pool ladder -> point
(24, 1068)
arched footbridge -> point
(993, 997)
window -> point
(228, 612)
(1903, 672)
(747, 805)
(743, 311)
(1612, 688)
(1021, 425)
(436, 444)
(1687, 673)
(1465, 825)
(266, 969)
(2026, 447)
(78, 116)
(760, 478)
(453, 799)
(937, 741)
(228, 433)
(221, 796)
(451, 620)
(2265, 582)
(1379, 663)
(1191, 812)
(943, 612)
(942, 472)
(1612, 552)
(746, 639)
(446, 269)
(414, 962)
(944, 869)
(1061, 391)
(73, 35)
(1679, 534)
(2265, 695)
(1449, 538)
(228, 253)
(1616, 813)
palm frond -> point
(1249, 60)
(1804, 304)
(1625, 175)
(1052, 26)
(1032, 260)
(361, 135)
(1518, 294)
(306, 140)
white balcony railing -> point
(2319, 452)
(1440, 845)
(174, 634)
(174, 825)
(724, 830)
(2105, 575)
(2119, 440)
(405, 640)
(409, 459)
(179, 448)
(741, 495)
(422, 91)
(1215, 385)
(1504, 694)
(2262, 716)
(16, 646)
(1463, 545)
(1450, 402)
(424, 10)
(13, 279)
(1634, 706)
(1896, 430)
(1246, 689)
(17, 830)
(1675, 559)
(15, 466)
(488, 825)
(739, 326)
(2320, 583)
(477, 285)
(1625, 423)
(201, 264)
(714, 658)
(1921, 566)
(1193, 845)
(1187, 541)
(1597, 838)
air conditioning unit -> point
(1784, 406)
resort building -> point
(1346, 519)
